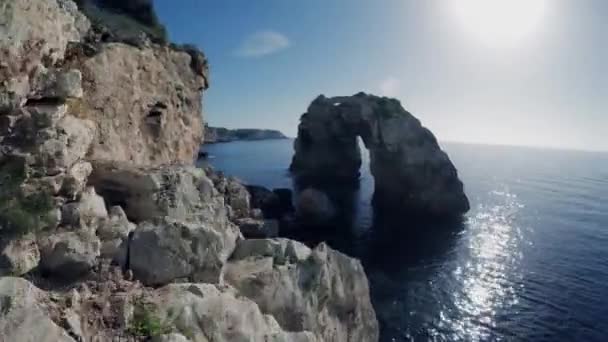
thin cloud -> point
(390, 86)
(263, 43)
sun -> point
(500, 22)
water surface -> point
(530, 262)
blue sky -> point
(460, 70)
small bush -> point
(146, 322)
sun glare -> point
(500, 22)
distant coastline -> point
(215, 135)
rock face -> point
(411, 172)
(100, 203)
(220, 134)
(212, 313)
(145, 103)
(321, 291)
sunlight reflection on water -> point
(489, 274)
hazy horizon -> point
(521, 73)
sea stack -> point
(411, 173)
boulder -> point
(164, 250)
(411, 173)
(23, 316)
(68, 254)
(237, 197)
(274, 204)
(88, 211)
(114, 233)
(314, 206)
(252, 228)
(179, 192)
(18, 256)
(321, 291)
(207, 312)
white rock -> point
(23, 319)
(326, 293)
(19, 256)
(164, 250)
(205, 312)
(68, 254)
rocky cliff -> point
(107, 230)
(220, 134)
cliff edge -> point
(107, 230)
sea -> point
(528, 263)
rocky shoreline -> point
(215, 135)
(107, 229)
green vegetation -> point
(146, 321)
(21, 213)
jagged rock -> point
(210, 313)
(23, 318)
(47, 115)
(145, 103)
(411, 172)
(76, 179)
(322, 291)
(314, 206)
(114, 232)
(87, 212)
(237, 197)
(253, 228)
(59, 149)
(68, 254)
(18, 256)
(180, 192)
(56, 85)
(165, 250)
(34, 33)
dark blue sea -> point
(530, 262)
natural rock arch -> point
(411, 172)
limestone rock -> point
(76, 179)
(180, 192)
(18, 256)
(59, 149)
(210, 313)
(88, 211)
(321, 291)
(237, 197)
(68, 254)
(23, 317)
(165, 250)
(114, 233)
(411, 173)
(173, 337)
(146, 104)
(36, 32)
(252, 228)
(56, 85)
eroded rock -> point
(321, 291)
(210, 313)
(411, 173)
(68, 254)
(165, 250)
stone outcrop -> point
(221, 135)
(411, 172)
(100, 203)
(213, 313)
(320, 290)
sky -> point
(516, 72)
